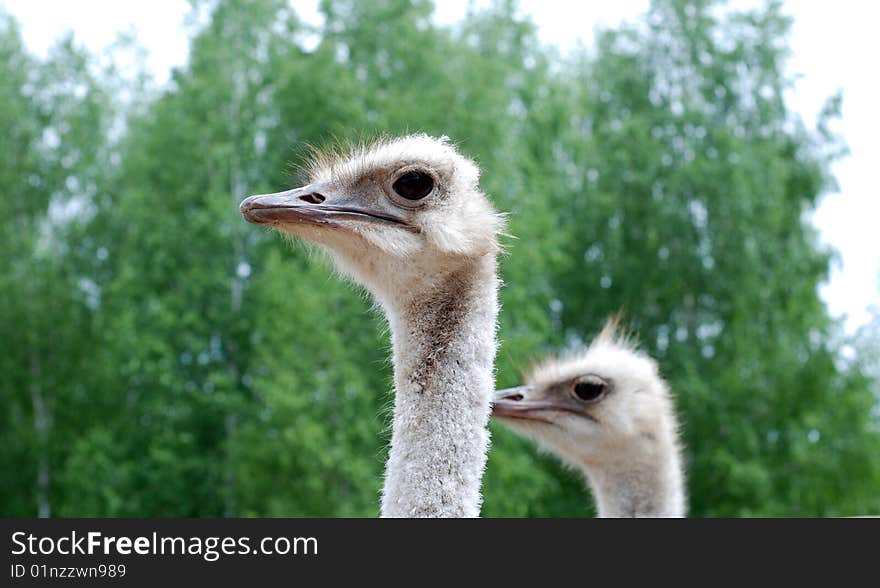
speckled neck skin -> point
(444, 342)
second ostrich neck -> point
(641, 485)
(444, 348)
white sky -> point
(834, 47)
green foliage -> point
(162, 358)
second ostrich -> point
(405, 218)
(607, 412)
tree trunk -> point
(42, 424)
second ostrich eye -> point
(590, 391)
(413, 185)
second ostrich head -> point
(607, 412)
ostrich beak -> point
(513, 402)
(529, 403)
(314, 204)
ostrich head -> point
(394, 215)
(594, 408)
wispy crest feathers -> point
(613, 340)
(326, 156)
(615, 333)
(349, 157)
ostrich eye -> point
(413, 185)
(590, 391)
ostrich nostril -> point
(514, 397)
(313, 198)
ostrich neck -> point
(638, 486)
(444, 348)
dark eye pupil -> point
(414, 185)
(589, 390)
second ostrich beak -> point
(517, 403)
(535, 403)
(315, 204)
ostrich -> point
(405, 218)
(607, 412)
